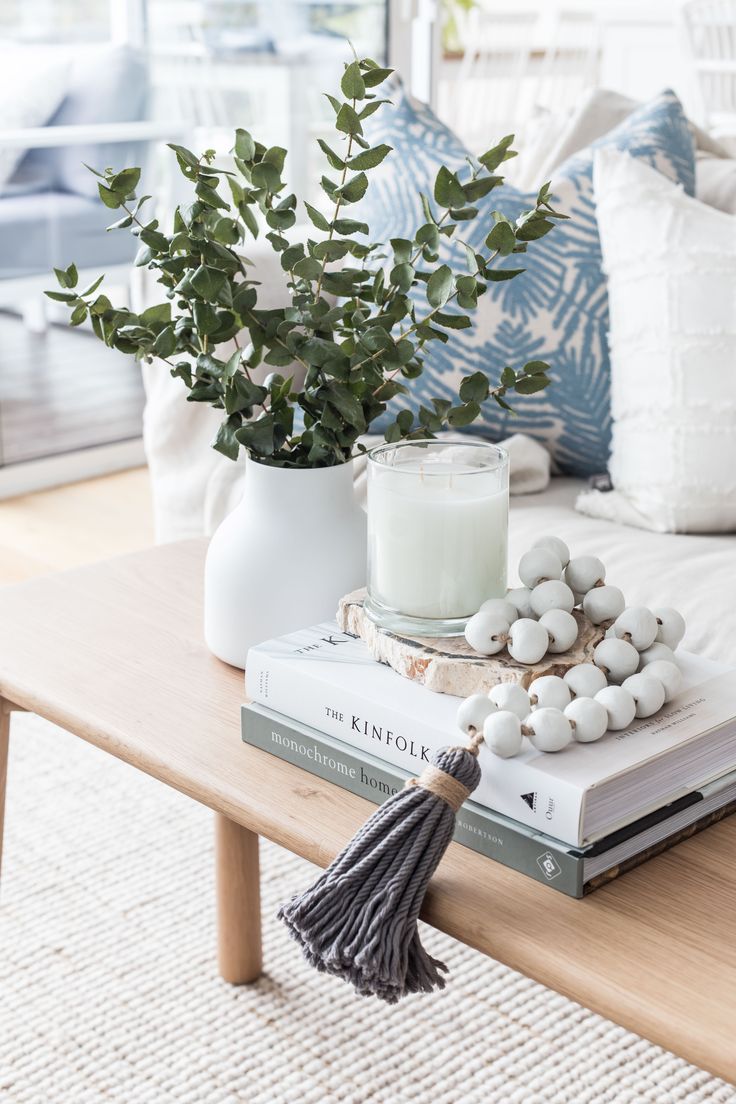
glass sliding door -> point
(259, 64)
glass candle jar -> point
(437, 533)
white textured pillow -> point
(32, 86)
(671, 266)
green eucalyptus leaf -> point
(111, 199)
(267, 176)
(376, 76)
(332, 250)
(440, 286)
(452, 321)
(349, 226)
(317, 218)
(61, 296)
(249, 219)
(370, 158)
(352, 83)
(155, 240)
(463, 214)
(156, 316)
(344, 401)
(335, 161)
(448, 191)
(226, 442)
(347, 120)
(403, 250)
(165, 343)
(402, 276)
(78, 315)
(354, 190)
(125, 182)
(501, 239)
(461, 416)
(258, 436)
(205, 318)
(536, 367)
(371, 107)
(480, 186)
(530, 385)
(474, 388)
(534, 229)
(292, 256)
(496, 275)
(501, 152)
(245, 147)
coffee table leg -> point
(238, 902)
(4, 745)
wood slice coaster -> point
(448, 665)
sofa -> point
(194, 487)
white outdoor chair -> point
(710, 41)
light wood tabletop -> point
(114, 654)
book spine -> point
(516, 789)
(475, 827)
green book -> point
(572, 871)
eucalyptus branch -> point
(336, 212)
(358, 332)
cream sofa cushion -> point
(671, 267)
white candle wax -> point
(437, 538)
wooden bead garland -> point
(634, 670)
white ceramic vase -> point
(283, 558)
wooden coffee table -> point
(113, 653)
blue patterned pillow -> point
(558, 309)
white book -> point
(327, 679)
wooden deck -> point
(62, 391)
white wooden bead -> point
(638, 625)
(647, 692)
(486, 633)
(552, 594)
(554, 544)
(669, 674)
(562, 628)
(583, 573)
(549, 691)
(590, 719)
(619, 704)
(585, 680)
(502, 733)
(520, 597)
(616, 658)
(528, 641)
(511, 696)
(538, 564)
(472, 712)
(550, 729)
(657, 650)
(603, 603)
(500, 607)
(670, 626)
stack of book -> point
(573, 821)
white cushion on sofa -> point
(671, 266)
(32, 85)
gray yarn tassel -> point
(359, 919)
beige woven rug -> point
(108, 988)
